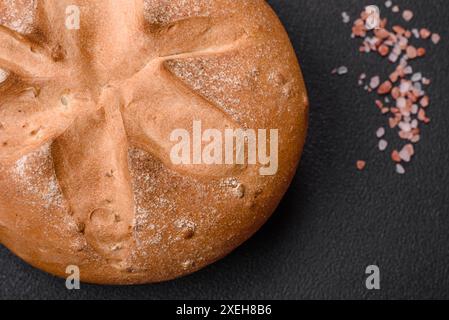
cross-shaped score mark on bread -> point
(80, 96)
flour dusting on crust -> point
(18, 15)
(166, 11)
(35, 174)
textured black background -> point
(334, 221)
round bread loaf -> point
(91, 92)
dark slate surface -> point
(334, 221)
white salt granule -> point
(383, 144)
(400, 169)
(345, 17)
(380, 132)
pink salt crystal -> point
(361, 165)
(411, 149)
(404, 126)
(412, 53)
(395, 93)
(400, 169)
(405, 154)
(436, 38)
(426, 81)
(403, 42)
(421, 52)
(375, 82)
(394, 76)
(425, 33)
(421, 115)
(379, 104)
(380, 132)
(416, 139)
(385, 88)
(393, 57)
(405, 86)
(382, 34)
(425, 102)
(407, 15)
(406, 109)
(383, 50)
(401, 102)
(405, 135)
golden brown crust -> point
(85, 119)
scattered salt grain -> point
(385, 88)
(380, 132)
(383, 144)
(405, 126)
(400, 169)
(405, 154)
(408, 70)
(395, 156)
(417, 77)
(412, 53)
(405, 87)
(436, 38)
(407, 15)
(345, 17)
(393, 57)
(361, 165)
(425, 33)
(421, 52)
(375, 82)
(401, 103)
(341, 70)
(383, 50)
(425, 102)
(417, 86)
